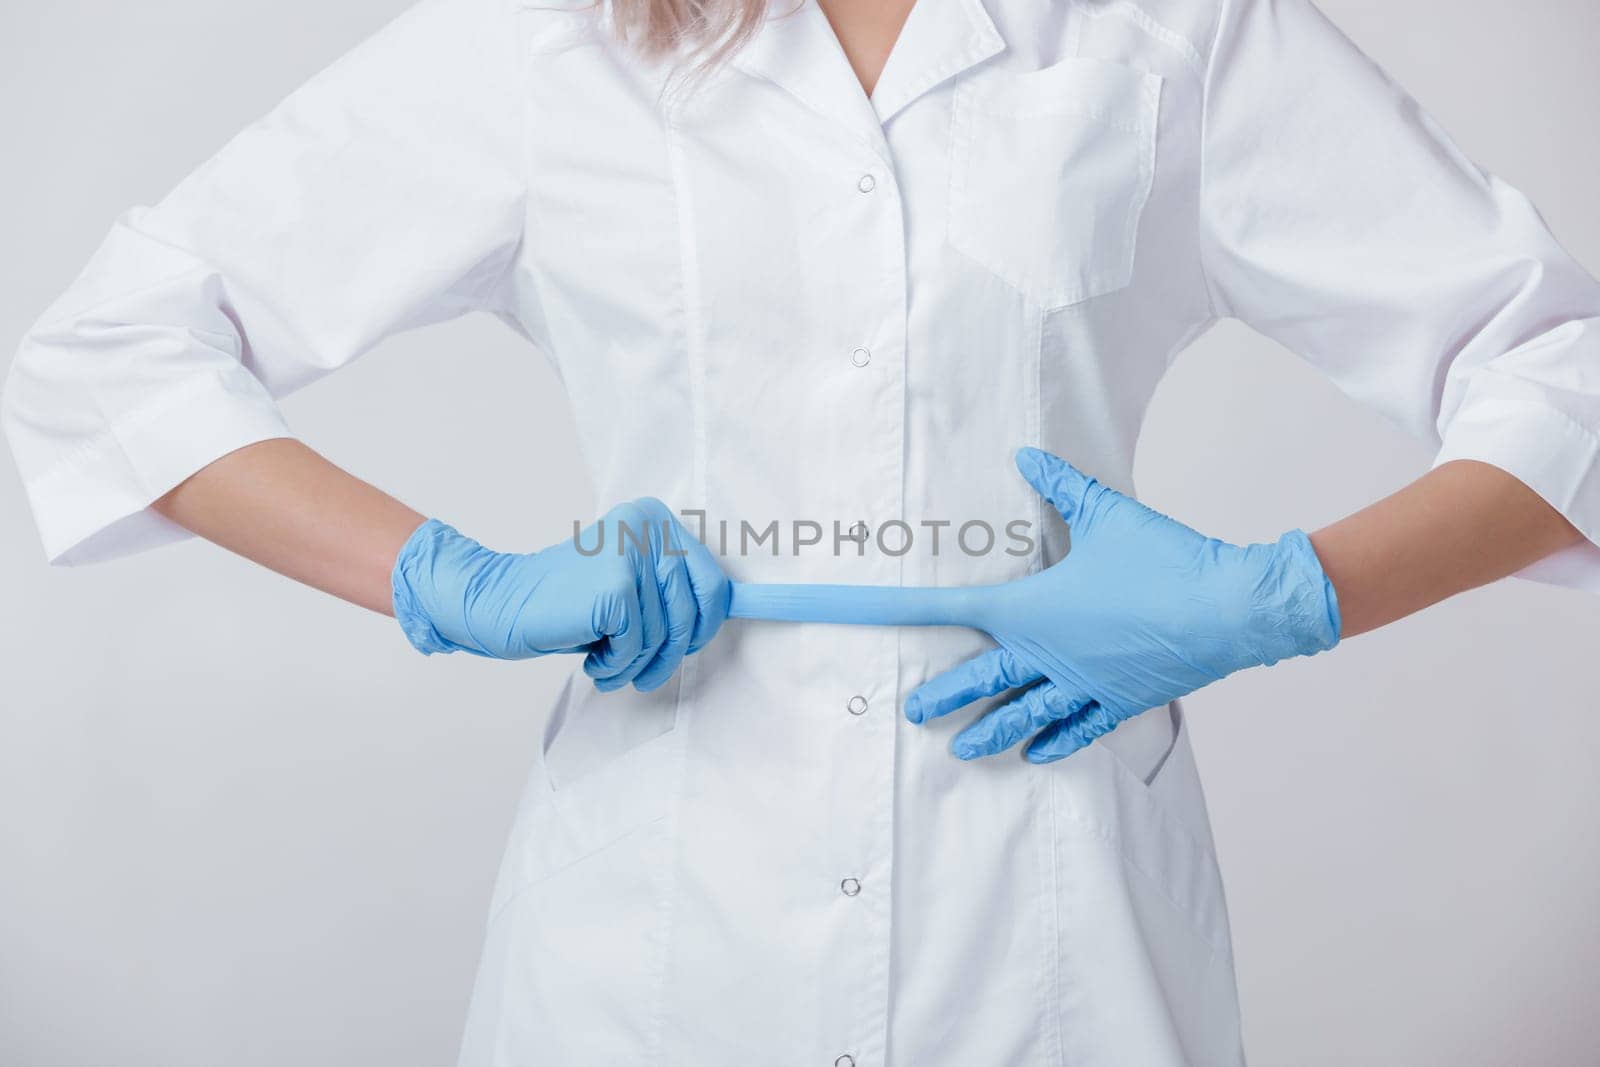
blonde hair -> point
(700, 33)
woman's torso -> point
(775, 302)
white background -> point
(243, 823)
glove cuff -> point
(410, 578)
(1296, 608)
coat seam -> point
(689, 326)
(1208, 283)
(1058, 1039)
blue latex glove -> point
(651, 595)
(1141, 611)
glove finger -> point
(1067, 489)
(622, 634)
(1061, 739)
(676, 548)
(982, 676)
(711, 590)
(678, 610)
(652, 624)
(1033, 711)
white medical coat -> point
(777, 298)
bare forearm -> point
(284, 506)
(1461, 525)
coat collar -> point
(796, 49)
(941, 38)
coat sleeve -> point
(1339, 220)
(383, 194)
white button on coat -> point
(693, 275)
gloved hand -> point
(1141, 611)
(651, 595)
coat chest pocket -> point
(1050, 171)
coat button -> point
(846, 1060)
(850, 887)
(860, 357)
(867, 183)
(857, 705)
(858, 533)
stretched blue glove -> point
(641, 594)
(1141, 611)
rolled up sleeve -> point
(384, 194)
(1340, 220)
